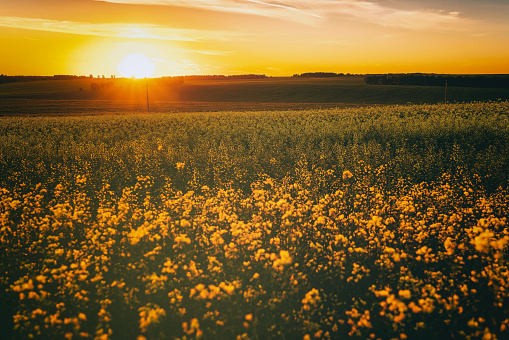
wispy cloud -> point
(210, 52)
(146, 31)
(312, 11)
(282, 10)
(416, 20)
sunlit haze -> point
(96, 37)
(135, 65)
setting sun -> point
(136, 65)
(253, 37)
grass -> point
(372, 222)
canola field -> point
(372, 223)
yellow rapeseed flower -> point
(347, 175)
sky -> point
(276, 38)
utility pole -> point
(446, 91)
(146, 85)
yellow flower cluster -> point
(210, 248)
(203, 259)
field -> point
(368, 222)
(72, 97)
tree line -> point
(11, 79)
(321, 75)
(492, 81)
(219, 76)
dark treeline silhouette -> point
(491, 81)
(218, 76)
(67, 76)
(11, 79)
(321, 75)
(177, 80)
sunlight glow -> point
(135, 65)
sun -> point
(136, 65)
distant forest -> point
(491, 81)
(219, 76)
(10, 79)
(321, 75)
(418, 79)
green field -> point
(382, 222)
(64, 97)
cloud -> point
(121, 30)
(210, 52)
(275, 9)
(416, 20)
(313, 11)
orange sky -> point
(250, 36)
